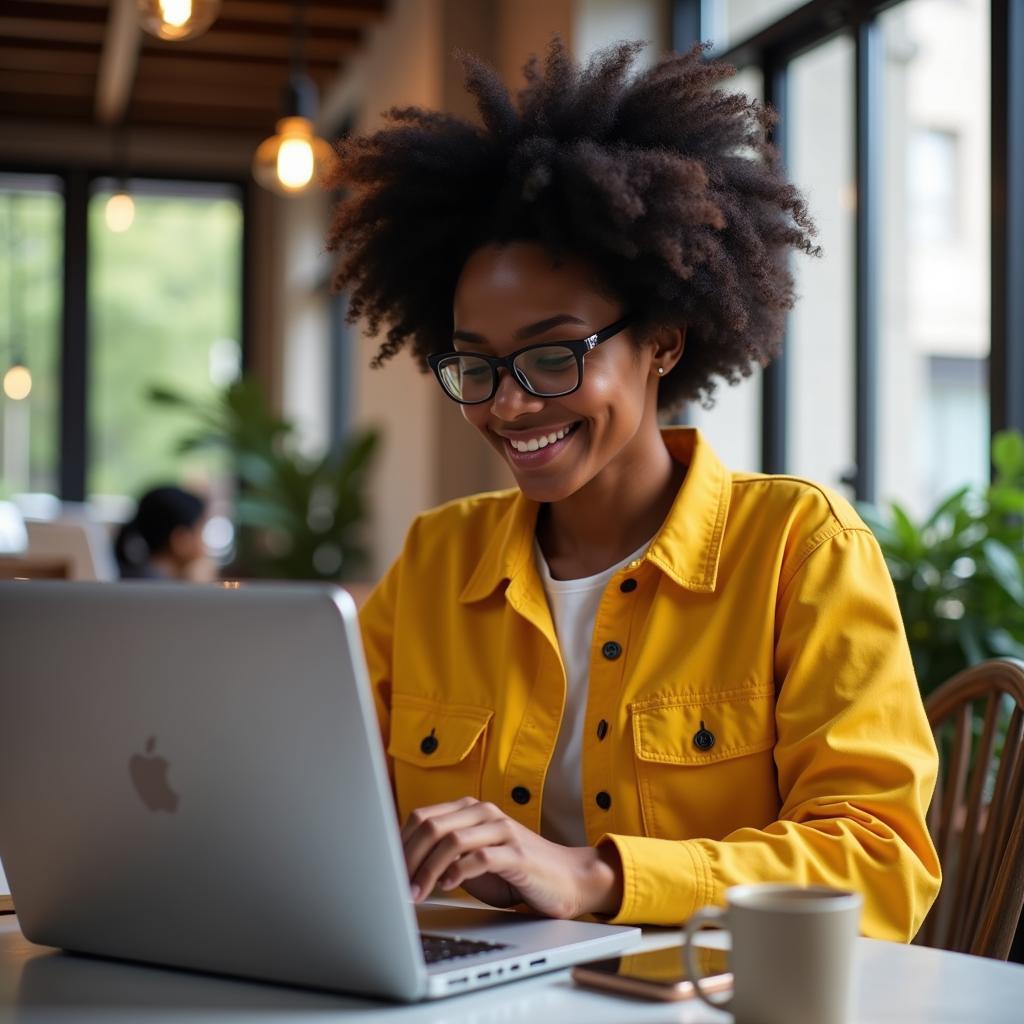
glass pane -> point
(933, 402)
(728, 22)
(31, 276)
(165, 309)
(820, 343)
(733, 424)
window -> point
(31, 256)
(932, 188)
(165, 309)
(733, 424)
(933, 390)
(727, 22)
(820, 340)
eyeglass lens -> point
(547, 371)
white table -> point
(895, 985)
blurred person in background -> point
(164, 539)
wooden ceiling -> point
(86, 61)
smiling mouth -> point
(540, 448)
(534, 444)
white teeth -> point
(535, 443)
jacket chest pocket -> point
(704, 762)
(438, 750)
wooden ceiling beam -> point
(233, 64)
(247, 44)
(43, 30)
(56, 11)
(239, 119)
(42, 83)
(50, 61)
(337, 14)
(117, 62)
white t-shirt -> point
(573, 605)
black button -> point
(703, 739)
(429, 743)
(602, 729)
(627, 586)
(521, 795)
(611, 650)
(604, 801)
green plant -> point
(296, 518)
(959, 574)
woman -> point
(638, 678)
(164, 539)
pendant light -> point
(119, 211)
(294, 157)
(17, 383)
(18, 380)
(177, 20)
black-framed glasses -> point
(547, 370)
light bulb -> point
(175, 20)
(295, 163)
(288, 161)
(17, 382)
(175, 12)
(120, 212)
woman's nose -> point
(511, 399)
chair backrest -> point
(977, 815)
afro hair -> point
(662, 181)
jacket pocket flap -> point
(430, 734)
(703, 728)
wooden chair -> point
(977, 815)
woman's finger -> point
(455, 846)
(422, 815)
(434, 828)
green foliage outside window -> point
(31, 274)
(297, 518)
(959, 573)
(162, 296)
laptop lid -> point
(194, 776)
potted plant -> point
(959, 574)
(296, 517)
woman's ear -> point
(669, 343)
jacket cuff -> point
(664, 881)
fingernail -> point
(414, 892)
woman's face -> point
(511, 296)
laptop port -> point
(537, 963)
(480, 975)
(459, 981)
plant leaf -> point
(1005, 568)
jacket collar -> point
(686, 549)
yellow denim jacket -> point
(752, 712)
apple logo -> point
(149, 776)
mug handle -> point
(705, 916)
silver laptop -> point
(194, 776)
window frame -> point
(77, 185)
(770, 50)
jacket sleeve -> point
(855, 759)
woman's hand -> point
(477, 846)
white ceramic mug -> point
(791, 956)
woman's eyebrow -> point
(524, 333)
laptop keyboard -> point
(437, 948)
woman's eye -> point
(476, 371)
(557, 362)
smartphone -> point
(659, 974)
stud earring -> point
(661, 371)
